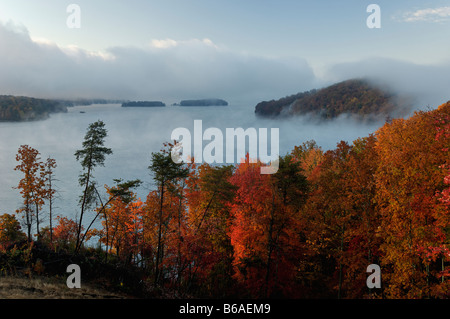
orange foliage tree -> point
(122, 225)
(65, 233)
(309, 154)
(160, 204)
(207, 243)
(10, 230)
(31, 185)
(409, 174)
(265, 228)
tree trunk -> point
(28, 218)
(270, 248)
(180, 263)
(50, 203)
(159, 252)
(82, 209)
(37, 221)
(341, 249)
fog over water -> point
(133, 133)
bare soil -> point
(50, 288)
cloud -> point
(429, 15)
(425, 85)
(164, 44)
(164, 69)
(170, 70)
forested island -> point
(355, 96)
(143, 104)
(20, 108)
(204, 102)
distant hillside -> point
(204, 102)
(143, 104)
(20, 108)
(84, 102)
(356, 96)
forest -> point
(142, 104)
(358, 97)
(227, 231)
(20, 108)
(204, 102)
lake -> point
(133, 134)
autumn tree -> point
(410, 172)
(265, 226)
(50, 191)
(165, 228)
(207, 242)
(167, 174)
(362, 232)
(122, 219)
(328, 213)
(10, 230)
(31, 185)
(309, 154)
(442, 124)
(122, 192)
(92, 154)
(65, 233)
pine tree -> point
(91, 155)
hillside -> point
(356, 96)
(85, 102)
(20, 108)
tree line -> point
(308, 231)
(19, 108)
(358, 97)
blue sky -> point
(313, 36)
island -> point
(204, 102)
(21, 108)
(143, 104)
(358, 97)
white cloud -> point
(77, 53)
(164, 44)
(166, 69)
(43, 41)
(171, 70)
(170, 43)
(429, 15)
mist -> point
(164, 70)
(424, 86)
(171, 70)
(133, 134)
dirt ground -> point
(50, 288)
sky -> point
(249, 50)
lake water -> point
(133, 133)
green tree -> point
(166, 174)
(91, 155)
